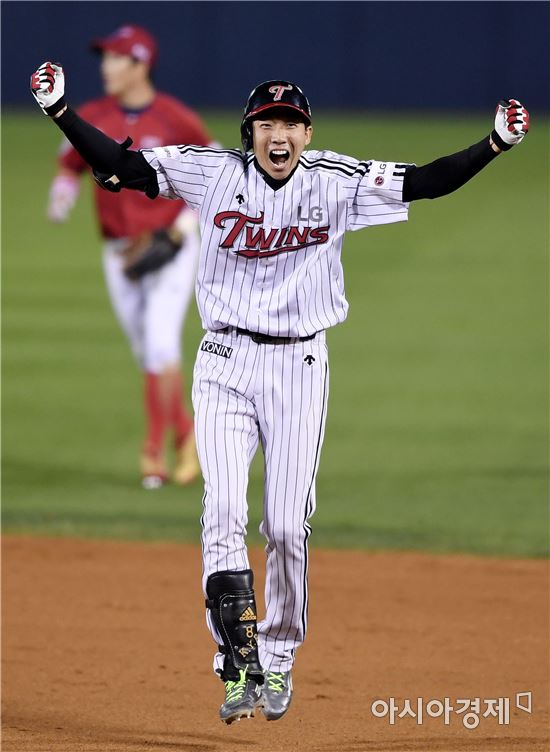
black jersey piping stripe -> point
(343, 170)
(341, 163)
(352, 165)
(318, 166)
(344, 166)
(338, 163)
(359, 171)
(207, 150)
(326, 161)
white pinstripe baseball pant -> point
(277, 394)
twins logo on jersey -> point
(256, 241)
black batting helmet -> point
(272, 94)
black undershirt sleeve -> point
(105, 155)
(446, 174)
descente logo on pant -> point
(216, 349)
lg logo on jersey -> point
(258, 241)
(315, 214)
(379, 179)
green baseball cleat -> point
(241, 699)
(276, 694)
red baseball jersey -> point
(164, 121)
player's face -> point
(278, 143)
(121, 73)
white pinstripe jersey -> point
(270, 259)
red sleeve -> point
(68, 156)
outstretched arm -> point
(447, 174)
(114, 166)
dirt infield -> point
(105, 648)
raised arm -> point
(114, 166)
(447, 174)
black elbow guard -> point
(134, 173)
(107, 182)
(112, 183)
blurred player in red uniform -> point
(151, 308)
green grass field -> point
(438, 414)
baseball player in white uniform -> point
(270, 282)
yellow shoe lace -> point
(234, 690)
(275, 682)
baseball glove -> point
(150, 251)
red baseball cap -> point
(129, 40)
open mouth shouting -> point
(279, 158)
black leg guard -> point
(233, 609)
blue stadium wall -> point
(382, 55)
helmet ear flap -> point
(246, 136)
